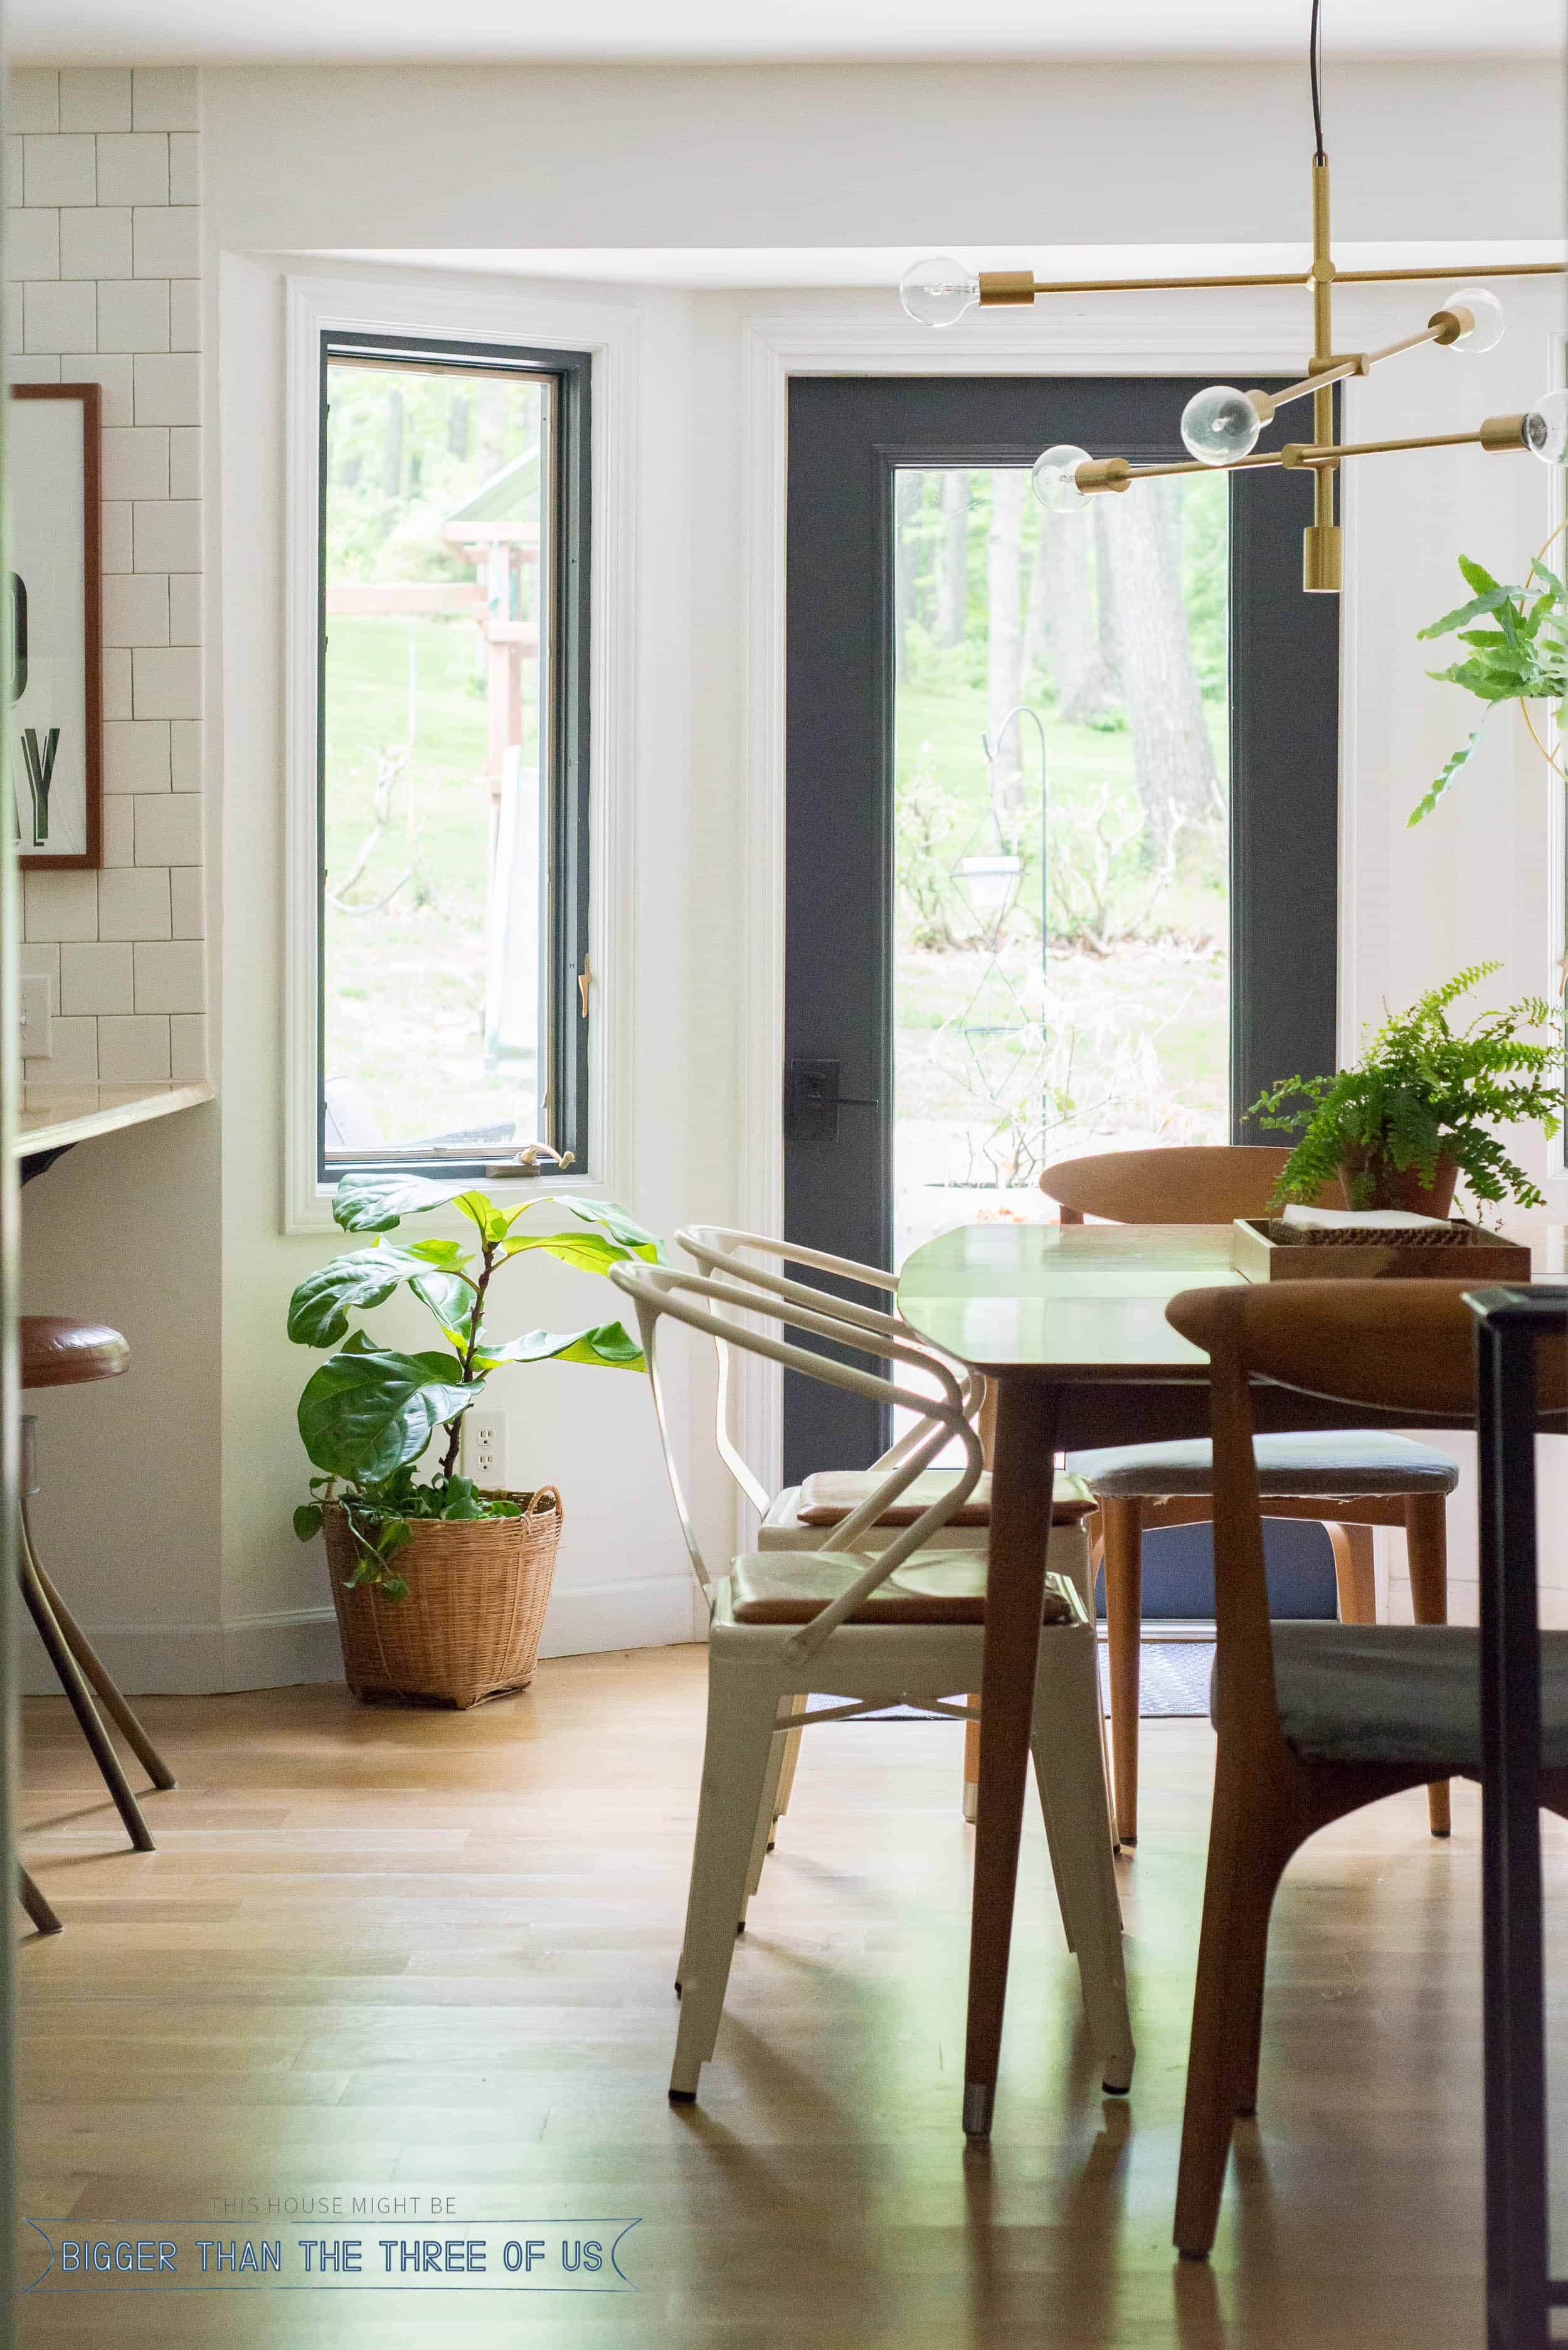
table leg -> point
(1022, 1480)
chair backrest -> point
(699, 1301)
(1406, 1345)
(729, 1254)
(1199, 1183)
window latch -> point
(585, 981)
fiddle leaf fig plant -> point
(1519, 655)
(369, 1412)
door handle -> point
(813, 1100)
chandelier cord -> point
(1314, 67)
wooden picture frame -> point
(55, 599)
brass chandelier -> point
(1220, 426)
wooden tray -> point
(1260, 1249)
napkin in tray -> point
(1377, 1220)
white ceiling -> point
(752, 31)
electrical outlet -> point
(484, 1446)
(34, 1029)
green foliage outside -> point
(369, 1412)
(1424, 1090)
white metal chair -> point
(900, 1625)
(800, 1517)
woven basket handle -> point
(549, 1495)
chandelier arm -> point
(1463, 269)
(1114, 473)
(1014, 288)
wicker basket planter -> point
(469, 1626)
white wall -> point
(383, 161)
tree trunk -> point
(392, 446)
(952, 559)
(1004, 610)
(1069, 621)
(1173, 759)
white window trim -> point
(430, 304)
(1556, 813)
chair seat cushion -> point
(1401, 1693)
(773, 1587)
(827, 1498)
(1343, 1462)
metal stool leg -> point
(80, 1697)
(36, 1906)
(97, 1673)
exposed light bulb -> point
(1546, 429)
(1054, 478)
(1486, 310)
(1220, 425)
(937, 290)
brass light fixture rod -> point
(1016, 288)
(1106, 473)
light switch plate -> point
(36, 1042)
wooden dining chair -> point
(901, 1623)
(1348, 1482)
(1314, 1719)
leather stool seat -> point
(57, 1351)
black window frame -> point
(570, 494)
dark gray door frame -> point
(847, 437)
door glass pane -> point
(432, 910)
(1062, 835)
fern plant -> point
(1424, 1090)
(1519, 655)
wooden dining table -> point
(1067, 1323)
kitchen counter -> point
(54, 1118)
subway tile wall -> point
(103, 259)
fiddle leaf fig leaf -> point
(366, 1412)
(318, 1310)
(589, 1252)
(451, 1300)
(448, 1255)
(608, 1346)
(620, 1227)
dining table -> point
(1068, 1324)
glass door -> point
(1062, 820)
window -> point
(452, 755)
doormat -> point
(1173, 1678)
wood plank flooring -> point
(386, 1953)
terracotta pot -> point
(1398, 1186)
(468, 1626)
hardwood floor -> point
(400, 1954)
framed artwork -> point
(55, 750)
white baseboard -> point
(298, 1645)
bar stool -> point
(59, 1352)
